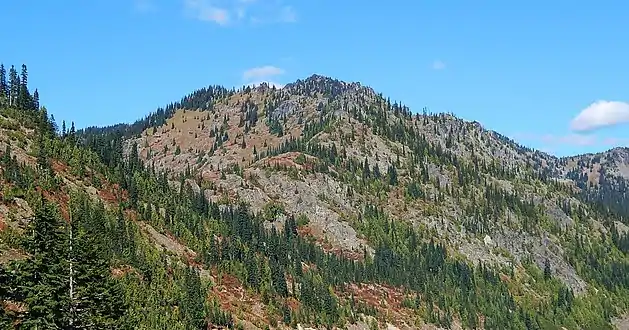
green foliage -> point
(276, 127)
(300, 159)
(272, 210)
(67, 280)
(302, 220)
(414, 191)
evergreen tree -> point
(253, 272)
(96, 298)
(36, 100)
(121, 233)
(24, 76)
(392, 173)
(7, 288)
(24, 97)
(278, 278)
(43, 278)
(366, 171)
(547, 270)
(72, 134)
(42, 151)
(4, 87)
(14, 86)
(193, 303)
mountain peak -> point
(308, 203)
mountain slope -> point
(324, 204)
(108, 249)
(482, 194)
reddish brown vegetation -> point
(60, 199)
(13, 307)
(12, 254)
(234, 298)
(112, 193)
(124, 270)
(59, 167)
(293, 303)
(353, 255)
(385, 298)
(377, 294)
(287, 160)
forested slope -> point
(320, 204)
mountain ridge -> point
(338, 88)
(318, 79)
(304, 204)
(293, 85)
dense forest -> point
(87, 263)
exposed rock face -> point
(211, 143)
(285, 109)
(326, 151)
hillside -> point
(320, 204)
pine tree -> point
(43, 277)
(72, 134)
(36, 100)
(24, 97)
(24, 76)
(120, 233)
(547, 270)
(253, 272)
(52, 124)
(42, 152)
(14, 86)
(4, 87)
(392, 173)
(366, 171)
(193, 303)
(7, 288)
(278, 278)
(96, 298)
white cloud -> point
(261, 73)
(600, 114)
(438, 65)
(204, 10)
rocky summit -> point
(321, 204)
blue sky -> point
(526, 70)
